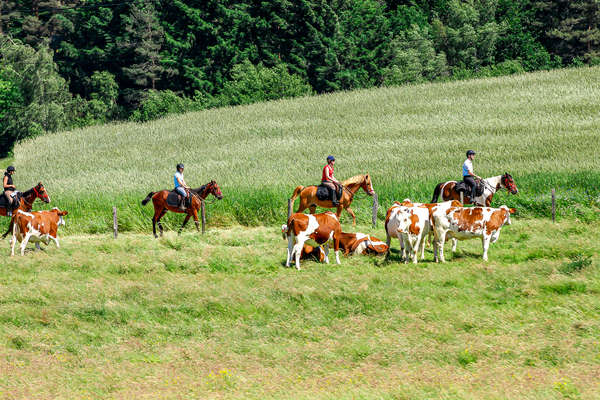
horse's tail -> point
(147, 199)
(436, 192)
(296, 193)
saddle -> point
(16, 200)
(173, 199)
(461, 186)
(326, 193)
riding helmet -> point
(180, 165)
(330, 158)
(470, 152)
(10, 168)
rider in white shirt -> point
(468, 174)
(180, 186)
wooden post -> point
(203, 209)
(462, 200)
(375, 207)
(115, 224)
(289, 208)
(553, 205)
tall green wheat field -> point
(543, 128)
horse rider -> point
(9, 188)
(329, 180)
(180, 186)
(468, 174)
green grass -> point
(541, 127)
(218, 316)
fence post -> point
(289, 208)
(115, 224)
(553, 205)
(203, 212)
(375, 207)
(462, 200)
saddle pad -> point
(323, 193)
(173, 199)
(16, 196)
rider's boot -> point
(334, 198)
(181, 203)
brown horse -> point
(159, 200)
(27, 199)
(491, 186)
(308, 196)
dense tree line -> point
(66, 63)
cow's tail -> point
(148, 198)
(285, 228)
(436, 192)
(296, 193)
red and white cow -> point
(421, 223)
(360, 243)
(468, 223)
(316, 229)
(37, 226)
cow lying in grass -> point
(468, 223)
(316, 229)
(411, 224)
(37, 226)
(360, 243)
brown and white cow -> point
(316, 229)
(37, 226)
(467, 223)
(421, 223)
(360, 243)
(312, 252)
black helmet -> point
(469, 152)
(10, 168)
(180, 165)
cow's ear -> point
(512, 210)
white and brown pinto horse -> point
(491, 186)
(308, 196)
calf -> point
(467, 223)
(410, 225)
(317, 229)
(37, 226)
(359, 243)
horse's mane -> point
(28, 192)
(354, 180)
(199, 190)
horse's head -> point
(213, 188)
(40, 193)
(508, 182)
(367, 185)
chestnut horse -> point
(159, 200)
(308, 196)
(27, 199)
(491, 186)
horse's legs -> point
(160, 227)
(10, 227)
(185, 221)
(196, 220)
(349, 212)
(155, 219)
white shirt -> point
(467, 167)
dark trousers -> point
(470, 181)
(331, 185)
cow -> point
(37, 226)
(468, 223)
(360, 243)
(312, 252)
(394, 214)
(317, 229)
(410, 225)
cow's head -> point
(507, 212)
(508, 182)
(60, 215)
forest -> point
(73, 63)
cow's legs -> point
(454, 243)
(290, 249)
(298, 250)
(416, 248)
(486, 244)
(336, 247)
(326, 249)
(56, 241)
(438, 244)
(24, 243)
(13, 242)
(388, 242)
(37, 246)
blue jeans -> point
(181, 191)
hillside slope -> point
(543, 128)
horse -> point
(491, 186)
(308, 196)
(27, 199)
(159, 200)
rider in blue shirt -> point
(180, 186)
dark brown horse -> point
(308, 196)
(159, 200)
(27, 199)
(491, 186)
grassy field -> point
(543, 128)
(218, 316)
